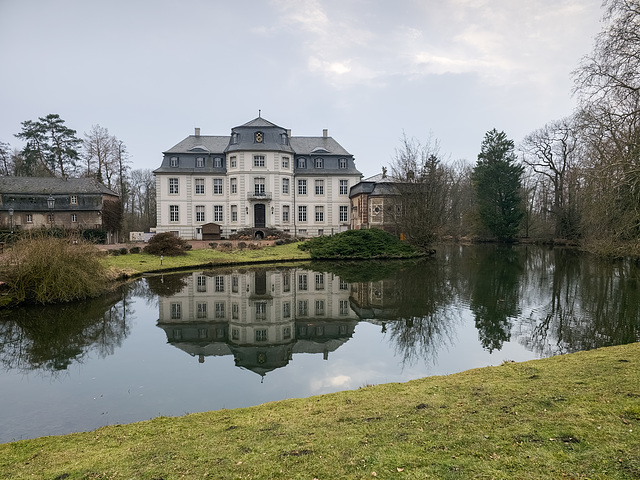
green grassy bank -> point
(140, 263)
(575, 416)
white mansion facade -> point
(258, 177)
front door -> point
(259, 215)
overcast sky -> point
(367, 70)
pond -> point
(236, 337)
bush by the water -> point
(50, 270)
(371, 243)
(166, 244)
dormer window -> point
(318, 163)
(217, 162)
(199, 162)
(302, 163)
(259, 137)
(173, 162)
(74, 200)
(234, 138)
(284, 139)
(342, 163)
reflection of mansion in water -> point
(261, 317)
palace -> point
(259, 177)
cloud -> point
(500, 42)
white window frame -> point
(302, 187)
(218, 215)
(259, 161)
(199, 186)
(200, 215)
(302, 213)
(174, 186)
(319, 214)
(217, 186)
(285, 186)
(174, 213)
(319, 187)
(344, 187)
(344, 213)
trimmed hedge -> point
(371, 243)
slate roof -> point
(260, 122)
(307, 145)
(201, 144)
(51, 185)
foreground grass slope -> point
(575, 416)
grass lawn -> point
(568, 417)
(138, 263)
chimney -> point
(197, 131)
(289, 133)
(325, 133)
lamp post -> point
(51, 203)
(11, 219)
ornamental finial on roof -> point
(259, 113)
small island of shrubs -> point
(359, 244)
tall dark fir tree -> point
(497, 180)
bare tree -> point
(423, 184)
(551, 151)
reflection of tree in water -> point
(413, 300)
(493, 275)
(590, 303)
(52, 338)
(167, 285)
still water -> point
(235, 337)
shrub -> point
(242, 245)
(188, 247)
(213, 245)
(124, 251)
(166, 244)
(49, 270)
(280, 241)
(254, 246)
(114, 251)
(133, 250)
(371, 243)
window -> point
(29, 218)
(319, 281)
(235, 334)
(261, 310)
(174, 215)
(173, 162)
(258, 160)
(74, 200)
(286, 310)
(201, 283)
(176, 311)
(285, 163)
(318, 163)
(199, 162)
(235, 310)
(233, 183)
(319, 187)
(74, 218)
(217, 162)
(302, 282)
(234, 213)
(258, 186)
(319, 307)
(285, 213)
(201, 309)
(259, 137)
(319, 214)
(286, 282)
(234, 284)
(302, 163)
(199, 213)
(261, 335)
(285, 186)
(344, 307)
(342, 163)
(217, 186)
(344, 213)
(233, 161)
(234, 138)
(302, 213)
(199, 186)
(51, 218)
(343, 285)
(286, 333)
(218, 309)
(344, 187)
(217, 213)
(173, 186)
(303, 308)
(219, 283)
(302, 187)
